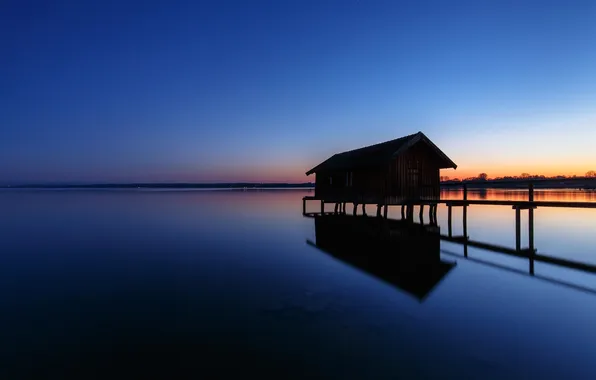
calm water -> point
(201, 284)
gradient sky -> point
(212, 91)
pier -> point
(520, 250)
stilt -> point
(410, 212)
(403, 215)
(379, 210)
(335, 208)
(421, 214)
(364, 209)
(385, 209)
(303, 206)
(430, 214)
(449, 223)
(343, 208)
(531, 238)
(531, 227)
(465, 220)
(355, 209)
(322, 207)
(431, 220)
(517, 228)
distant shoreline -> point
(587, 183)
(457, 187)
(238, 186)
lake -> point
(229, 284)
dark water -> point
(214, 284)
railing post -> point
(421, 213)
(531, 192)
(303, 206)
(465, 191)
(517, 228)
(322, 207)
(385, 211)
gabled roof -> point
(379, 153)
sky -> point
(262, 91)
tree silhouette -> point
(591, 174)
(525, 175)
(483, 176)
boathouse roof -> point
(378, 154)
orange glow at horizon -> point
(293, 174)
(516, 171)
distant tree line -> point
(522, 177)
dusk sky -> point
(213, 91)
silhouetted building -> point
(391, 172)
(404, 254)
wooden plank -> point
(524, 203)
(459, 203)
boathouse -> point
(393, 172)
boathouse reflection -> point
(405, 255)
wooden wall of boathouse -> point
(413, 175)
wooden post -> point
(531, 192)
(403, 215)
(430, 213)
(364, 209)
(531, 238)
(379, 210)
(449, 214)
(385, 209)
(465, 219)
(355, 209)
(303, 206)
(343, 208)
(517, 228)
(322, 207)
(421, 214)
(465, 191)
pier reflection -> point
(403, 254)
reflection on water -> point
(214, 284)
(403, 254)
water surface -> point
(190, 284)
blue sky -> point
(262, 91)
